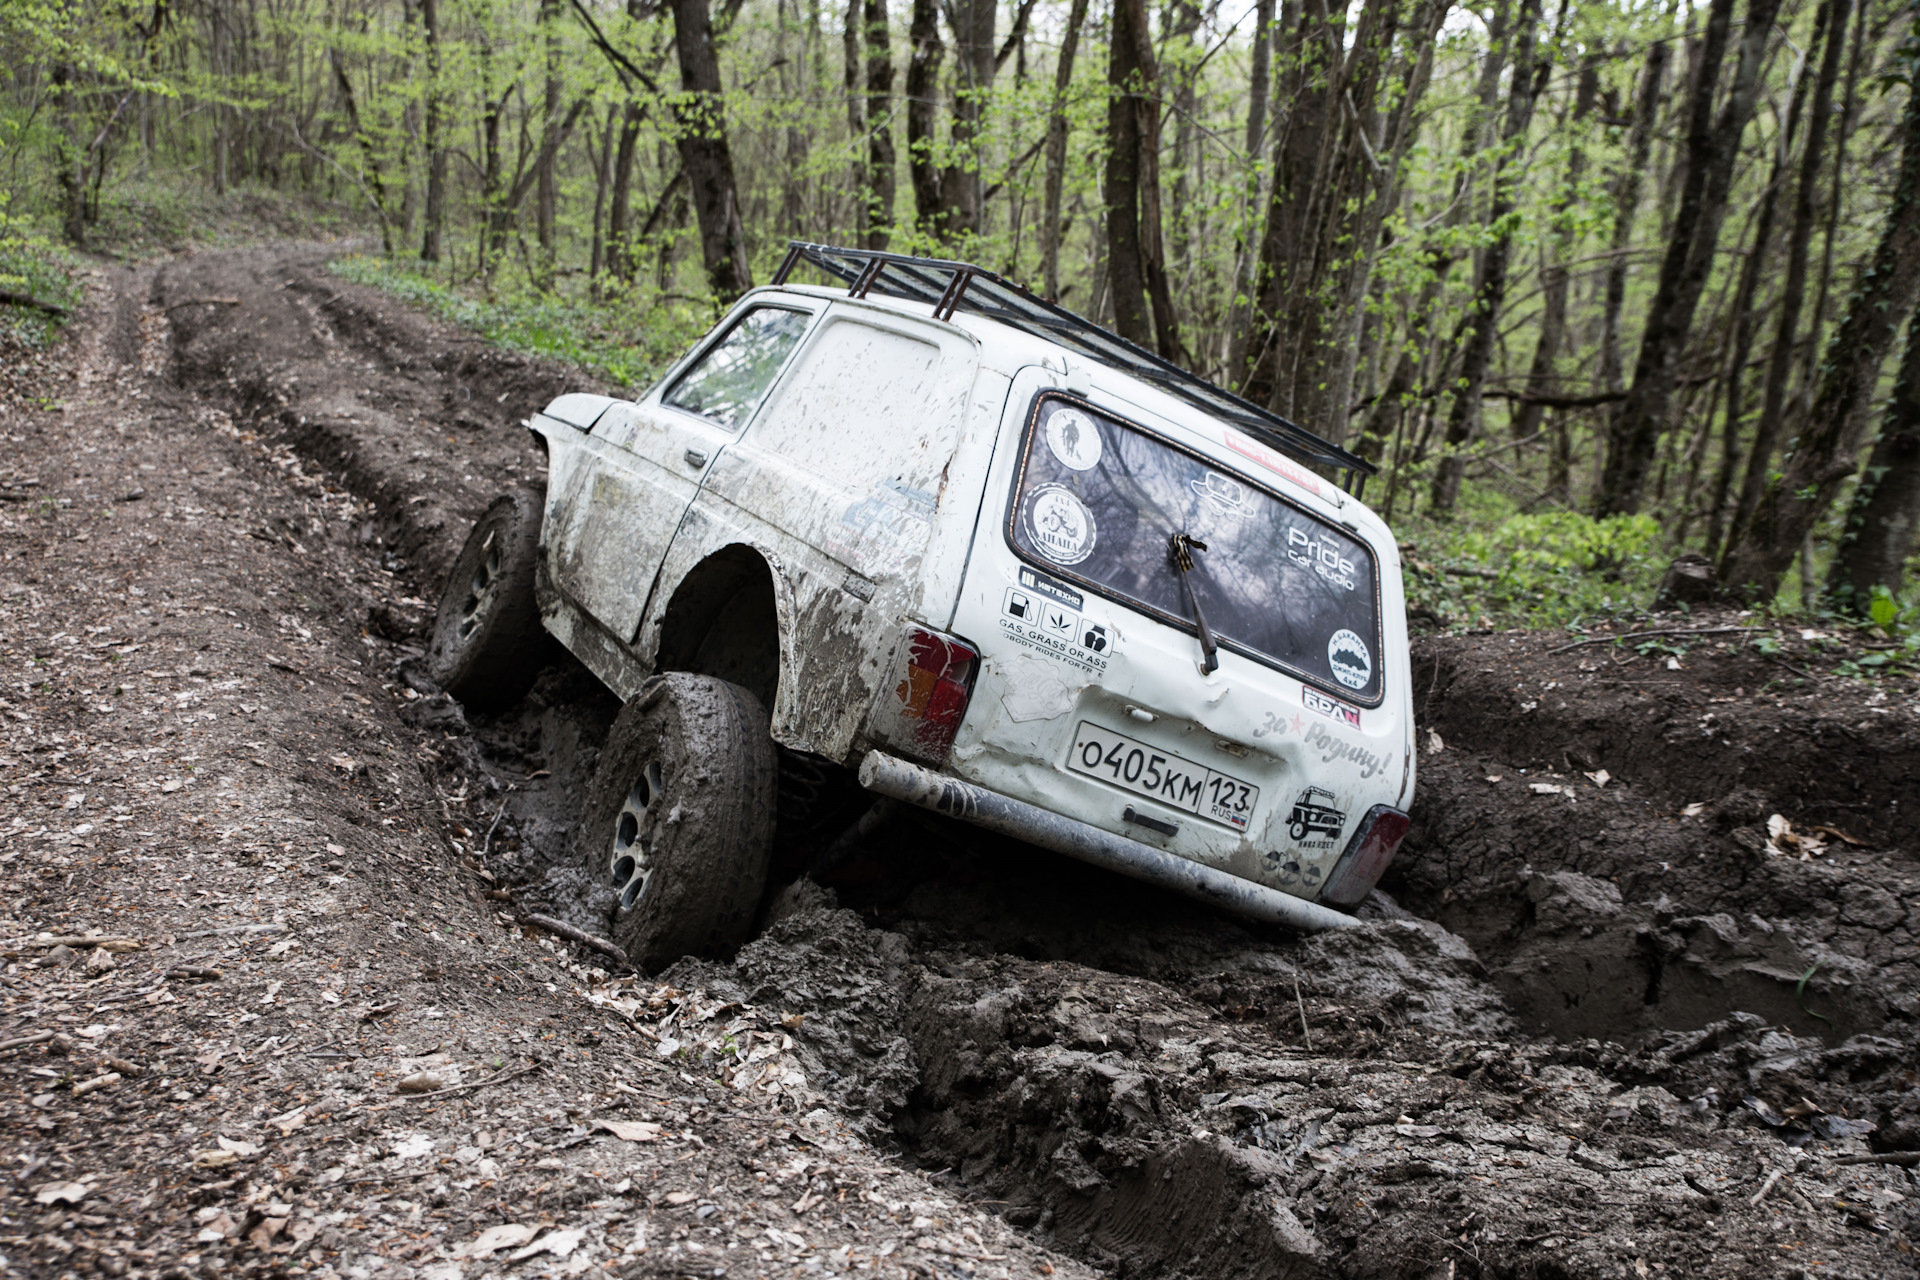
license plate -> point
(1161, 775)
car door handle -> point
(695, 458)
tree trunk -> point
(1127, 85)
(622, 261)
(1744, 317)
(1626, 202)
(1881, 519)
(1541, 381)
(436, 210)
(1057, 151)
(700, 116)
(1824, 453)
(1260, 84)
(851, 75)
(880, 158)
(1349, 120)
(546, 207)
(602, 179)
(1490, 290)
(974, 66)
(1712, 147)
(923, 85)
(1799, 243)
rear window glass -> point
(728, 381)
(1096, 500)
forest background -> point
(1594, 286)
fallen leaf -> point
(557, 1243)
(238, 1147)
(1547, 788)
(171, 785)
(632, 1130)
(1495, 777)
(680, 1197)
(346, 764)
(61, 1192)
(1694, 810)
(1435, 744)
(1600, 777)
(421, 1082)
(414, 1147)
(292, 1120)
(792, 1021)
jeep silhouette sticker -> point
(1316, 819)
(1060, 525)
(1350, 659)
(1074, 439)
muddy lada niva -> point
(923, 525)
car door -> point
(647, 458)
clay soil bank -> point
(1610, 1017)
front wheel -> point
(488, 644)
(680, 818)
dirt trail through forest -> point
(1617, 1023)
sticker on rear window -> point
(1060, 525)
(1350, 659)
(1074, 439)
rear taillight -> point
(1367, 856)
(921, 709)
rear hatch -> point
(1092, 701)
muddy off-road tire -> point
(680, 818)
(488, 644)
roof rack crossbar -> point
(983, 293)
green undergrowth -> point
(629, 338)
(34, 267)
(1545, 569)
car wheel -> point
(1297, 831)
(488, 644)
(680, 818)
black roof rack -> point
(961, 286)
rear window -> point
(1096, 500)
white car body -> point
(873, 481)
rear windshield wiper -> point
(1180, 549)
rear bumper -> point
(888, 776)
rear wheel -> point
(488, 644)
(680, 818)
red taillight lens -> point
(930, 693)
(1367, 856)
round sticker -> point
(1350, 659)
(1060, 525)
(1074, 439)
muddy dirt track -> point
(1610, 1017)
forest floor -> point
(1642, 1000)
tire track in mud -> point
(1166, 1093)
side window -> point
(728, 381)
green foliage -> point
(1548, 569)
(629, 339)
(1883, 609)
(33, 267)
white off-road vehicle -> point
(1007, 566)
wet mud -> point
(1608, 1015)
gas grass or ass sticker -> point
(1074, 439)
(1350, 659)
(1061, 526)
